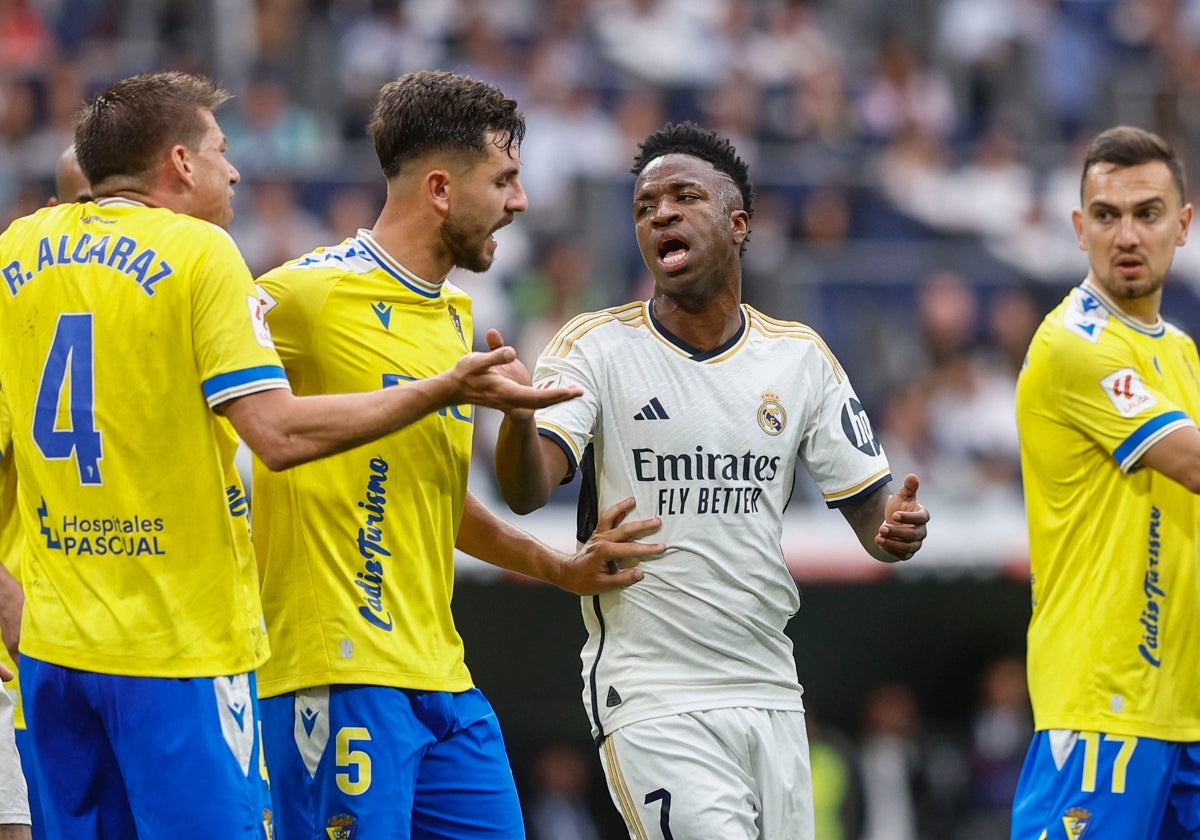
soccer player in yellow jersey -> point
(131, 326)
(16, 798)
(372, 725)
(70, 185)
(1107, 406)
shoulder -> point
(798, 338)
(602, 327)
(322, 268)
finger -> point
(542, 397)
(909, 491)
(494, 340)
(609, 549)
(633, 530)
(622, 579)
(5, 673)
(496, 356)
(911, 517)
(899, 550)
(615, 513)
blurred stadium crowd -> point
(916, 162)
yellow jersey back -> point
(126, 325)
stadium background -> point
(915, 163)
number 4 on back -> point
(69, 365)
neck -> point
(411, 239)
(703, 324)
(1144, 309)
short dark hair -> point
(687, 138)
(126, 127)
(1127, 145)
(434, 110)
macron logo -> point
(652, 410)
(383, 312)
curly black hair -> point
(687, 138)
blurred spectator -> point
(26, 43)
(972, 413)
(271, 133)
(631, 36)
(1001, 729)
(984, 42)
(378, 41)
(275, 227)
(558, 807)
(905, 92)
(560, 286)
(912, 778)
(350, 208)
(836, 781)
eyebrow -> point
(674, 186)
(1098, 204)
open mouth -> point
(672, 252)
(1129, 264)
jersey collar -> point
(688, 350)
(1156, 329)
(389, 264)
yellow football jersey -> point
(1114, 638)
(125, 325)
(11, 540)
(356, 551)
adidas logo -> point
(613, 698)
(652, 410)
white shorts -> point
(14, 796)
(736, 774)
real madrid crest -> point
(771, 416)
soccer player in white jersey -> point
(371, 721)
(700, 408)
(132, 324)
(1108, 403)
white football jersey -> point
(709, 441)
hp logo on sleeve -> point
(858, 429)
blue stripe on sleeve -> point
(1147, 430)
(238, 379)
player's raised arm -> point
(285, 430)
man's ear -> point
(179, 162)
(437, 189)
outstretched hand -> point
(596, 567)
(497, 379)
(903, 528)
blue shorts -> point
(120, 756)
(25, 748)
(1100, 786)
(388, 764)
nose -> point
(518, 202)
(1126, 232)
(234, 175)
(665, 211)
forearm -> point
(865, 518)
(521, 469)
(485, 535)
(285, 430)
